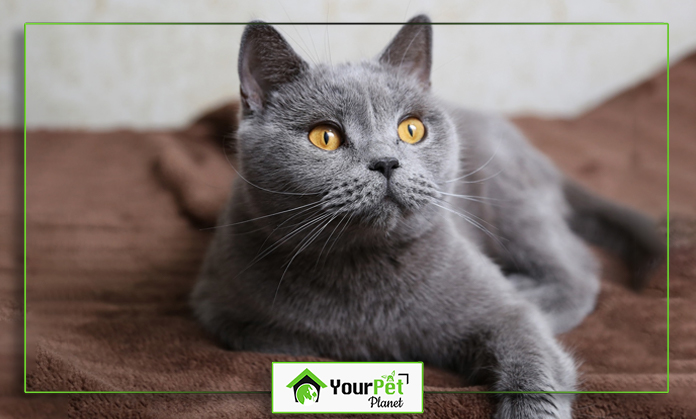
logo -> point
(306, 387)
(347, 387)
(377, 388)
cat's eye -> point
(411, 130)
(325, 137)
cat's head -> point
(367, 140)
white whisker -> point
(484, 198)
(340, 233)
(495, 153)
(311, 216)
(314, 204)
(471, 221)
(307, 241)
(484, 179)
(326, 34)
(469, 214)
(330, 235)
(297, 32)
(289, 236)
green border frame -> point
(350, 413)
(323, 23)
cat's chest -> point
(353, 322)
(370, 320)
(363, 293)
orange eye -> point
(411, 130)
(325, 137)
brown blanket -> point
(113, 247)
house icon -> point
(306, 387)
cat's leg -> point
(512, 349)
(475, 322)
(527, 359)
(549, 265)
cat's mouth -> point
(380, 204)
(390, 197)
(394, 204)
(392, 208)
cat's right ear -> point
(266, 61)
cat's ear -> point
(411, 49)
(266, 61)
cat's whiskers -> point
(290, 235)
(287, 237)
(305, 50)
(327, 39)
(447, 63)
(340, 233)
(318, 211)
(478, 225)
(310, 237)
(330, 235)
(471, 221)
(311, 39)
(481, 220)
(475, 198)
(406, 11)
(484, 179)
(307, 241)
(263, 227)
(311, 205)
(483, 166)
(312, 219)
(289, 225)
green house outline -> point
(311, 375)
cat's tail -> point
(624, 231)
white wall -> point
(161, 76)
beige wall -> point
(161, 76)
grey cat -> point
(371, 221)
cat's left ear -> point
(266, 61)
(411, 49)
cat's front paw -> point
(534, 406)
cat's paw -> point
(534, 406)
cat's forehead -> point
(364, 78)
(352, 90)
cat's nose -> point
(384, 165)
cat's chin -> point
(390, 217)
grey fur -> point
(319, 255)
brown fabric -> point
(112, 255)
